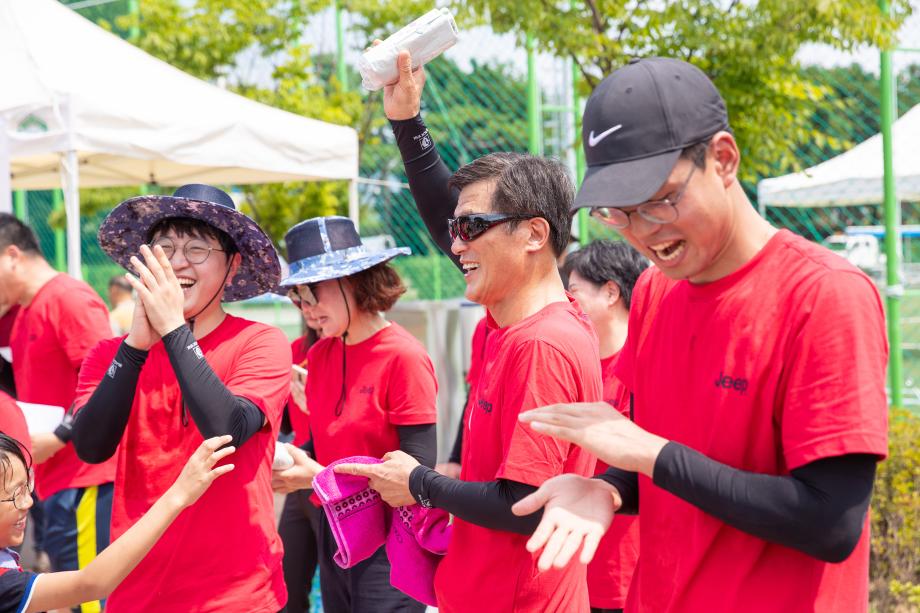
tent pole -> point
(353, 202)
(6, 186)
(895, 288)
(70, 179)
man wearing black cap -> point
(755, 361)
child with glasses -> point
(26, 592)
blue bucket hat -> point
(125, 229)
(324, 248)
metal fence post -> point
(895, 288)
(534, 113)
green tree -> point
(748, 49)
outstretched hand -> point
(200, 472)
(601, 430)
(577, 513)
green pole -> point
(895, 290)
(60, 239)
(19, 205)
(134, 9)
(534, 114)
(340, 45)
(583, 220)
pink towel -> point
(416, 538)
(356, 514)
(417, 541)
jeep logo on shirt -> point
(485, 405)
(366, 389)
(732, 383)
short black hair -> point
(603, 260)
(525, 184)
(15, 232)
(11, 447)
(184, 226)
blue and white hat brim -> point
(338, 264)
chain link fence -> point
(476, 103)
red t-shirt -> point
(775, 366)
(611, 571)
(389, 382)
(477, 358)
(13, 422)
(549, 357)
(50, 338)
(223, 553)
(300, 421)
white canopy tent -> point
(81, 107)
(853, 177)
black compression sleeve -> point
(456, 451)
(421, 442)
(819, 509)
(99, 425)
(427, 175)
(215, 410)
(627, 484)
(486, 504)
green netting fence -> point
(476, 102)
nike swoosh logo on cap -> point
(594, 140)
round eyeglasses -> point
(22, 495)
(195, 251)
(653, 211)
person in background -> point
(371, 387)
(60, 319)
(121, 299)
(601, 277)
(451, 468)
(299, 522)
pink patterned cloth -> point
(416, 538)
(356, 513)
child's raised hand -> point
(199, 472)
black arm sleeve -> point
(486, 504)
(819, 509)
(456, 451)
(427, 175)
(99, 425)
(421, 442)
(214, 409)
(627, 483)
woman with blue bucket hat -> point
(371, 386)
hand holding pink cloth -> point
(357, 515)
(416, 538)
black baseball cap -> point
(636, 123)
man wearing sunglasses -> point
(503, 219)
(755, 361)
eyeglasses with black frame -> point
(470, 227)
(195, 251)
(304, 294)
(22, 493)
(653, 211)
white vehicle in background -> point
(862, 250)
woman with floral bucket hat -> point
(185, 372)
(371, 387)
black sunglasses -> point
(470, 227)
